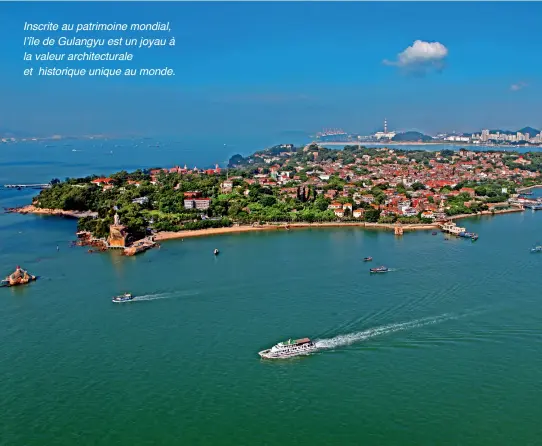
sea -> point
(445, 349)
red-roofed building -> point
(192, 194)
(102, 181)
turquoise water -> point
(445, 349)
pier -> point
(527, 203)
(27, 186)
(139, 246)
(452, 228)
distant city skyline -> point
(261, 69)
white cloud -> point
(421, 56)
(518, 86)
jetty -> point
(451, 228)
(527, 203)
(139, 246)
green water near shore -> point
(445, 349)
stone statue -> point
(117, 219)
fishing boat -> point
(380, 269)
(289, 349)
(367, 259)
(126, 297)
(216, 252)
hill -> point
(531, 131)
(412, 137)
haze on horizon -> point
(268, 68)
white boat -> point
(289, 349)
(123, 298)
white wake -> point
(147, 297)
(359, 336)
(152, 297)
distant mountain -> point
(529, 130)
(412, 137)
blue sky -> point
(264, 68)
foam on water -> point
(359, 336)
(147, 297)
(152, 297)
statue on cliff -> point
(117, 220)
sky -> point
(258, 68)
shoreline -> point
(522, 189)
(31, 209)
(169, 235)
(488, 213)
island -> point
(285, 187)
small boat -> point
(434, 233)
(289, 348)
(123, 298)
(216, 252)
(380, 269)
(537, 248)
(367, 259)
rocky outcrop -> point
(31, 209)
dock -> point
(139, 246)
(453, 229)
(527, 203)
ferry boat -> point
(380, 269)
(289, 349)
(126, 297)
(367, 259)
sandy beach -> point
(502, 211)
(168, 235)
(283, 227)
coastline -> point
(489, 213)
(169, 235)
(165, 235)
(31, 209)
(536, 186)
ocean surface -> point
(446, 349)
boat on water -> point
(367, 259)
(126, 297)
(380, 269)
(18, 277)
(289, 349)
(216, 252)
(470, 235)
(537, 248)
(434, 233)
